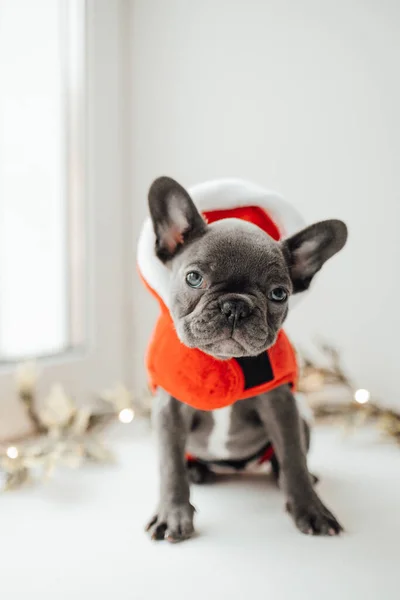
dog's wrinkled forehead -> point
(235, 247)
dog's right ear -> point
(176, 220)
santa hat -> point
(219, 199)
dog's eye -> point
(278, 294)
(194, 279)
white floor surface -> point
(81, 535)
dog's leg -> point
(174, 518)
(278, 410)
(307, 437)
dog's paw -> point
(173, 523)
(199, 472)
(314, 518)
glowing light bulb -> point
(12, 452)
(126, 415)
(362, 396)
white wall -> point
(301, 96)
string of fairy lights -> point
(126, 416)
(362, 396)
(67, 434)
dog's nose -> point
(235, 309)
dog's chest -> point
(230, 433)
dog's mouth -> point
(213, 333)
(233, 345)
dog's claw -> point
(159, 532)
(174, 524)
(151, 523)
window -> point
(66, 257)
(42, 170)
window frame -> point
(104, 358)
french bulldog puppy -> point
(231, 285)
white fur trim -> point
(223, 194)
(219, 194)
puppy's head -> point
(231, 282)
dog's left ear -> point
(309, 249)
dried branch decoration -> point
(358, 409)
(65, 434)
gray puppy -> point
(232, 305)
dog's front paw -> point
(172, 523)
(313, 518)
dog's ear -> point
(176, 220)
(309, 249)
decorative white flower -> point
(312, 382)
(26, 377)
(81, 421)
(58, 408)
(97, 451)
